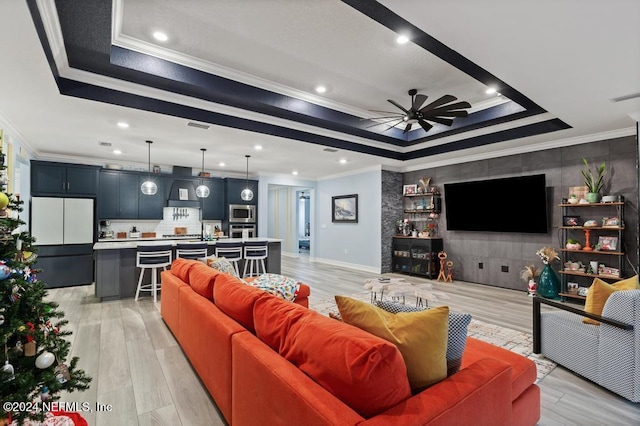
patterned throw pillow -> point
(457, 338)
(278, 285)
(222, 265)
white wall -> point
(354, 245)
(18, 154)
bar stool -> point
(193, 251)
(254, 251)
(152, 257)
(231, 251)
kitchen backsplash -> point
(173, 217)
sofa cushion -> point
(600, 291)
(202, 278)
(180, 268)
(456, 337)
(236, 299)
(222, 265)
(364, 371)
(421, 337)
(278, 285)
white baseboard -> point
(371, 269)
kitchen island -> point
(116, 274)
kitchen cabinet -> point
(118, 195)
(235, 186)
(63, 179)
(213, 207)
(151, 206)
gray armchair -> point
(607, 354)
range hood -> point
(183, 194)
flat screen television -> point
(514, 204)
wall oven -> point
(243, 213)
(236, 230)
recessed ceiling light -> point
(343, 161)
(123, 125)
(160, 36)
(295, 172)
(490, 91)
(321, 89)
(402, 39)
(117, 151)
(258, 147)
(221, 164)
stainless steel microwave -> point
(242, 213)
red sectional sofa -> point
(268, 361)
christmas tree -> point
(34, 368)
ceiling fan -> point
(437, 111)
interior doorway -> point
(304, 222)
(291, 218)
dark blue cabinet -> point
(151, 206)
(63, 179)
(213, 207)
(234, 188)
(118, 195)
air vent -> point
(198, 125)
(107, 144)
(330, 150)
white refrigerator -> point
(62, 220)
(64, 231)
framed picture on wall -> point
(344, 208)
(409, 189)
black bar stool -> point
(254, 251)
(191, 250)
(231, 251)
(152, 257)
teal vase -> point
(548, 283)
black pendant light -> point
(202, 191)
(247, 194)
(149, 187)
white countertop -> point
(129, 243)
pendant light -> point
(202, 191)
(247, 194)
(149, 187)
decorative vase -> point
(548, 283)
(592, 197)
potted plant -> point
(594, 180)
(572, 244)
(573, 199)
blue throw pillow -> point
(456, 340)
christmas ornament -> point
(19, 347)
(5, 271)
(8, 369)
(4, 200)
(30, 348)
(1, 319)
(44, 360)
(45, 395)
(62, 373)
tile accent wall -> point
(391, 212)
(562, 169)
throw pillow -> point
(600, 291)
(457, 334)
(222, 265)
(421, 337)
(278, 285)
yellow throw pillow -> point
(600, 291)
(421, 337)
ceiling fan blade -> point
(384, 122)
(387, 116)
(418, 100)
(384, 112)
(406, 129)
(426, 126)
(445, 121)
(398, 105)
(440, 101)
(393, 125)
(444, 109)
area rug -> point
(513, 340)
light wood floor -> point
(138, 367)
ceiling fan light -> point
(149, 187)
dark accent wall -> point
(391, 212)
(561, 167)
